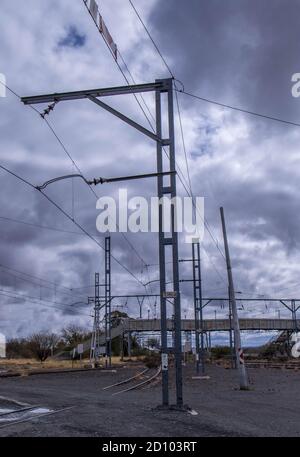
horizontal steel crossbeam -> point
(105, 92)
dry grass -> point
(25, 365)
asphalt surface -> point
(270, 408)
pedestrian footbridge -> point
(209, 325)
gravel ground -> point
(270, 408)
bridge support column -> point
(129, 344)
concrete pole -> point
(244, 384)
(232, 351)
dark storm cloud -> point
(242, 52)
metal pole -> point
(177, 302)
(196, 310)
(108, 299)
(95, 340)
(201, 309)
(197, 286)
(244, 384)
(122, 346)
(294, 315)
(140, 302)
(162, 262)
(233, 359)
(129, 344)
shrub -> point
(152, 360)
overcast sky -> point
(237, 52)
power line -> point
(272, 118)
(136, 98)
(181, 178)
(31, 224)
(72, 160)
(150, 123)
(79, 170)
(38, 301)
(118, 65)
(34, 277)
(69, 217)
(151, 38)
(92, 190)
(183, 141)
(242, 110)
(181, 129)
(40, 285)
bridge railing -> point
(147, 325)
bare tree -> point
(42, 344)
(74, 334)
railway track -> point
(17, 411)
(18, 416)
(125, 381)
(150, 375)
(290, 365)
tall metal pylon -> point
(107, 293)
(161, 88)
(197, 288)
(95, 341)
(168, 243)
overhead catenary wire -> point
(180, 176)
(205, 99)
(182, 179)
(58, 286)
(80, 172)
(242, 110)
(183, 142)
(152, 127)
(73, 162)
(45, 227)
(190, 193)
(119, 66)
(138, 102)
(68, 217)
(62, 290)
(36, 300)
(223, 105)
(280, 120)
(92, 190)
(151, 38)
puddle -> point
(193, 412)
(40, 411)
(5, 410)
(16, 414)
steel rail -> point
(127, 380)
(136, 386)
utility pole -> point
(232, 354)
(197, 286)
(165, 145)
(95, 341)
(167, 244)
(244, 384)
(107, 283)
